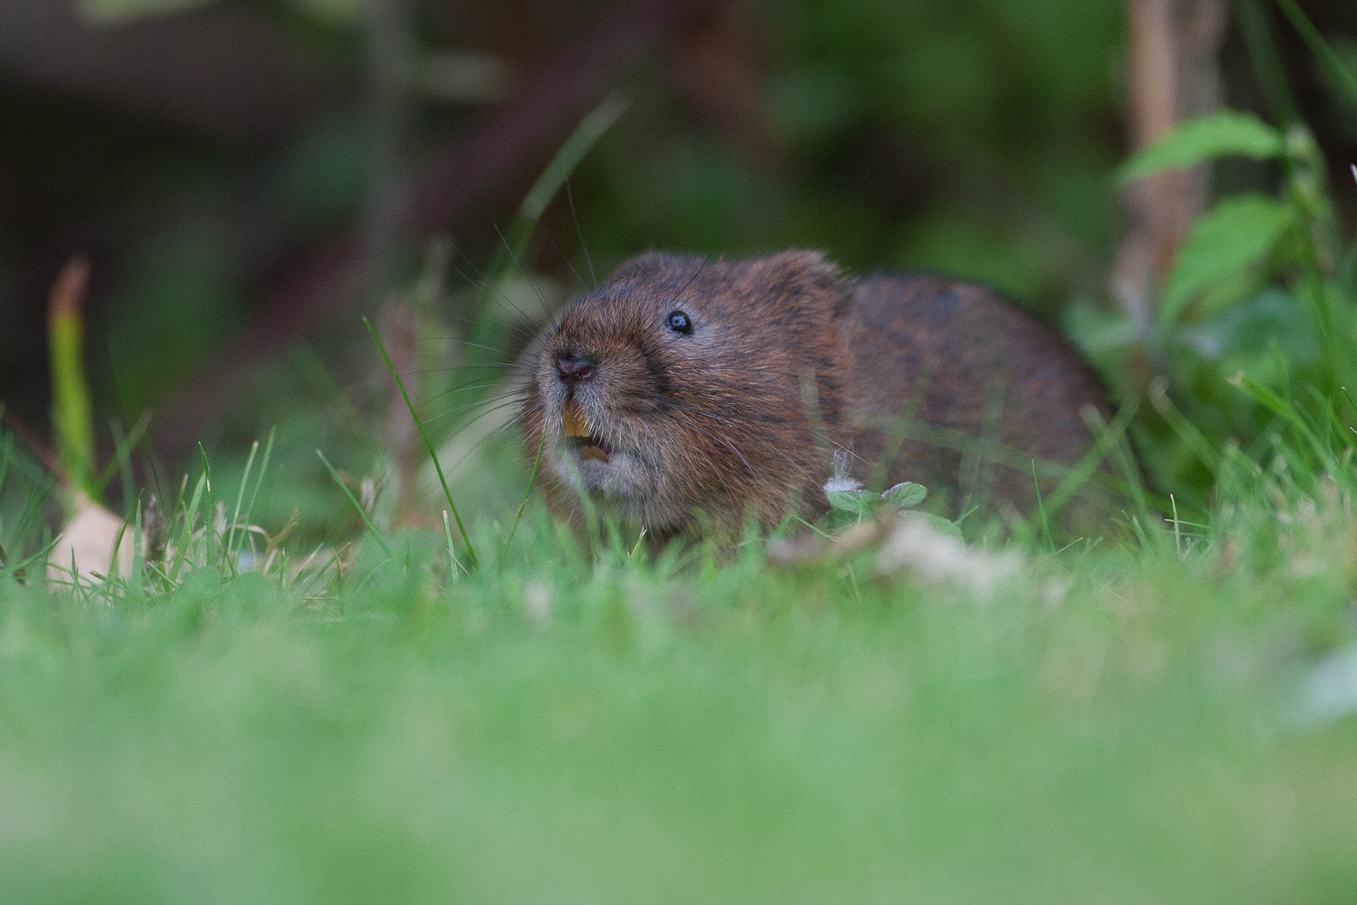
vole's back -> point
(971, 387)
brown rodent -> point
(685, 394)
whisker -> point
(490, 435)
(518, 265)
(485, 411)
(561, 252)
(570, 196)
(484, 286)
(455, 391)
(463, 410)
(489, 348)
(521, 332)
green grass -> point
(1121, 725)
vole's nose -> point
(573, 369)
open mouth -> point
(591, 448)
(580, 440)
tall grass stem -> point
(428, 444)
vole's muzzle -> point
(579, 437)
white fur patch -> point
(841, 480)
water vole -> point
(685, 393)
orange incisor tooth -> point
(574, 421)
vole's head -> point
(682, 386)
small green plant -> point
(1254, 331)
(861, 504)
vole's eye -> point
(679, 322)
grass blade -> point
(240, 502)
(1188, 433)
(1266, 61)
(452, 549)
(259, 481)
(209, 526)
(1342, 77)
(358, 507)
(532, 478)
(189, 515)
(1041, 510)
(428, 444)
(123, 444)
(534, 204)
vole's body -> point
(784, 362)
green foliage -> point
(1254, 302)
(902, 136)
(855, 502)
(1205, 138)
(1238, 234)
(1255, 328)
(851, 504)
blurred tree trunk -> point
(1173, 74)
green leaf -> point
(1220, 135)
(858, 502)
(117, 12)
(905, 495)
(1238, 233)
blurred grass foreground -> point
(233, 670)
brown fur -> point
(789, 361)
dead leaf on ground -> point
(88, 543)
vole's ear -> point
(806, 268)
(805, 276)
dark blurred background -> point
(247, 177)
